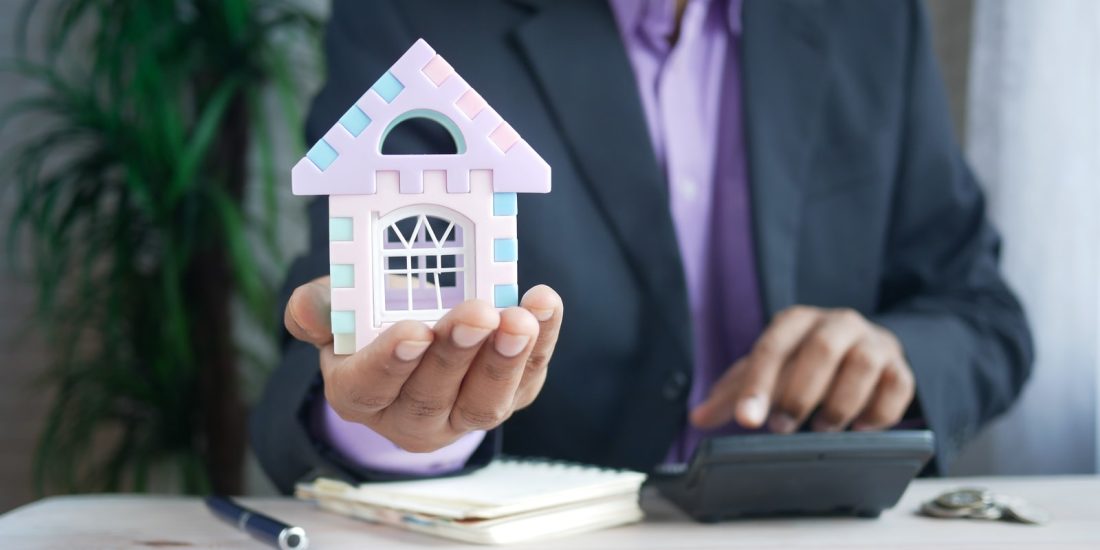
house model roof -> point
(346, 161)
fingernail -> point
(754, 409)
(782, 423)
(466, 336)
(861, 427)
(509, 345)
(542, 314)
(315, 309)
(319, 298)
(408, 350)
(820, 425)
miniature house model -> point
(411, 236)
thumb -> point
(307, 316)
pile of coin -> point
(983, 504)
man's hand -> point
(833, 360)
(422, 388)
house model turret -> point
(411, 236)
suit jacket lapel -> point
(785, 72)
(785, 69)
(577, 57)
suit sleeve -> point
(361, 41)
(964, 332)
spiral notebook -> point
(508, 501)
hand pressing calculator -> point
(847, 473)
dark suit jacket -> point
(860, 197)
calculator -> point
(809, 474)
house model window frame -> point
(416, 277)
(475, 189)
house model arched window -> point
(411, 236)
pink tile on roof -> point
(438, 70)
(504, 136)
(471, 103)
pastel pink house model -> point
(411, 236)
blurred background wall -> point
(1038, 85)
(23, 403)
(1033, 137)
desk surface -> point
(127, 521)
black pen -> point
(268, 530)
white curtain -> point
(1034, 140)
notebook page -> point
(530, 526)
(504, 487)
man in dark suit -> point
(760, 220)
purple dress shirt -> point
(690, 92)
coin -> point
(1018, 510)
(965, 498)
(932, 509)
(986, 511)
(972, 503)
(989, 511)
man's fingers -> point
(805, 379)
(744, 392)
(307, 314)
(892, 396)
(489, 388)
(547, 308)
(771, 352)
(811, 358)
(430, 392)
(853, 386)
(721, 407)
(363, 384)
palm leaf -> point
(198, 146)
(130, 184)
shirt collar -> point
(655, 18)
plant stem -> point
(210, 280)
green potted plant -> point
(131, 196)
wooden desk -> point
(124, 521)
